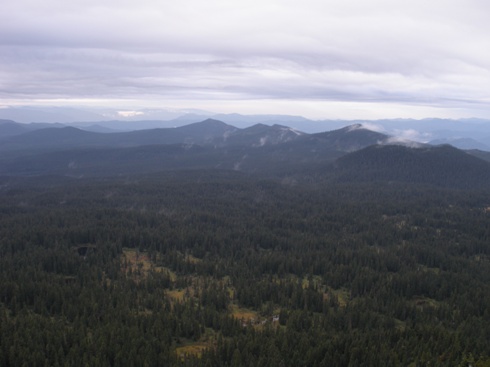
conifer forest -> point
(224, 268)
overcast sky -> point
(316, 58)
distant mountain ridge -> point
(207, 132)
(350, 154)
(259, 148)
(10, 128)
(70, 137)
(465, 133)
(462, 143)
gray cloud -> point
(374, 52)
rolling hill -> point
(443, 166)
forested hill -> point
(351, 138)
(443, 166)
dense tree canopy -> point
(217, 268)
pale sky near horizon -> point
(317, 58)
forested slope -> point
(443, 166)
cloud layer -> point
(321, 56)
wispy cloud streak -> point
(376, 52)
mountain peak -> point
(211, 121)
(351, 138)
(211, 125)
(354, 127)
(260, 135)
